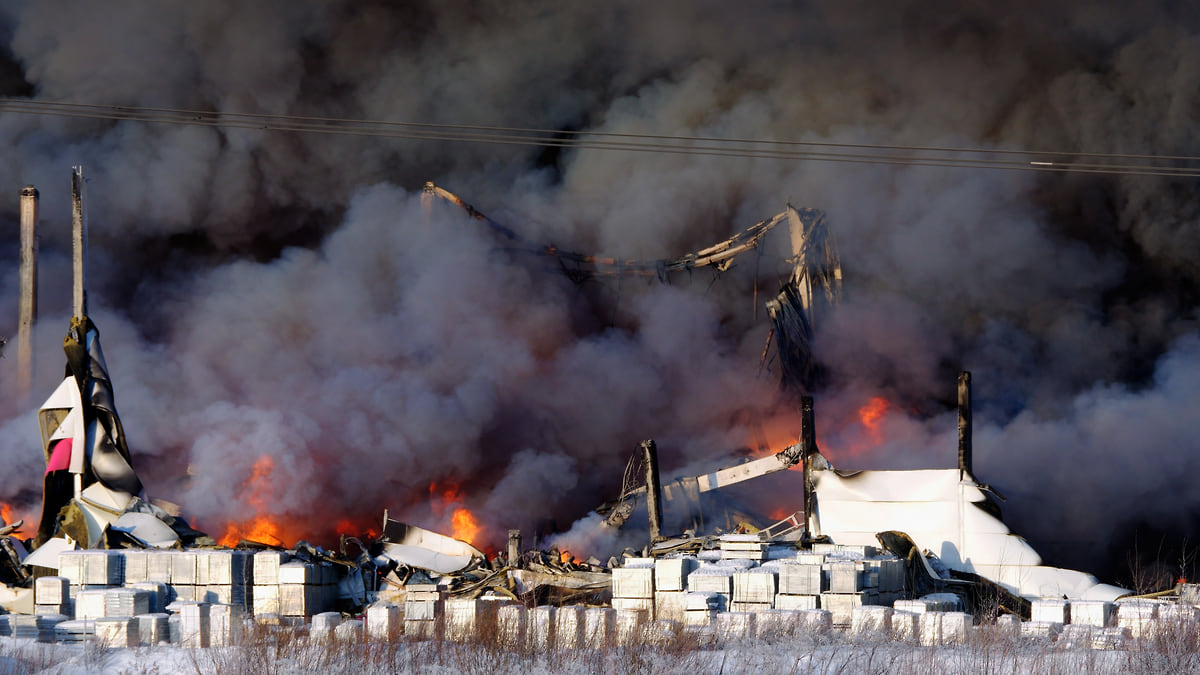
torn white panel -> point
(46, 555)
(941, 511)
(418, 547)
(146, 528)
(61, 417)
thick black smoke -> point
(264, 293)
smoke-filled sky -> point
(275, 294)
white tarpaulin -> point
(942, 513)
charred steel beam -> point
(653, 489)
(964, 423)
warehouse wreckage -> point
(943, 522)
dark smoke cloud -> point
(283, 295)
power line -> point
(865, 153)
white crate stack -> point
(633, 586)
(264, 597)
(754, 589)
(226, 624)
(906, 626)
(800, 584)
(52, 595)
(72, 631)
(1138, 616)
(91, 604)
(225, 577)
(117, 631)
(778, 623)
(153, 628)
(716, 579)
(1051, 610)
(670, 605)
(671, 585)
(872, 621)
(468, 617)
(701, 608)
(184, 574)
(599, 627)
(40, 627)
(743, 547)
(735, 626)
(350, 631)
(540, 624)
(384, 622)
(512, 622)
(424, 607)
(631, 625)
(126, 602)
(193, 624)
(324, 625)
(299, 590)
(570, 627)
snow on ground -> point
(831, 654)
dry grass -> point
(1173, 648)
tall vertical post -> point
(808, 441)
(79, 229)
(27, 309)
(514, 547)
(964, 424)
(653, 489)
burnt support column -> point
(79, 230)
(964, 424)
(653, 489)
(808, 441)
(27, 309)
(514, 546)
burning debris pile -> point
(859, 550)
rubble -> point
(108, 565)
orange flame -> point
(463, 525)
(9, 515)
(871, 415)
(262, 527)
(565, 557)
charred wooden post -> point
(964, 424)
(514, 546)
(653, 489)
(79, 229)
(27, 310)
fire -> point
(871, 415)
(463, 525)
(565, 557)
(262, 527)
(9, 515)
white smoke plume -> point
(262, 293)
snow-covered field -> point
(986, 651)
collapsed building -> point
(106, 561)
